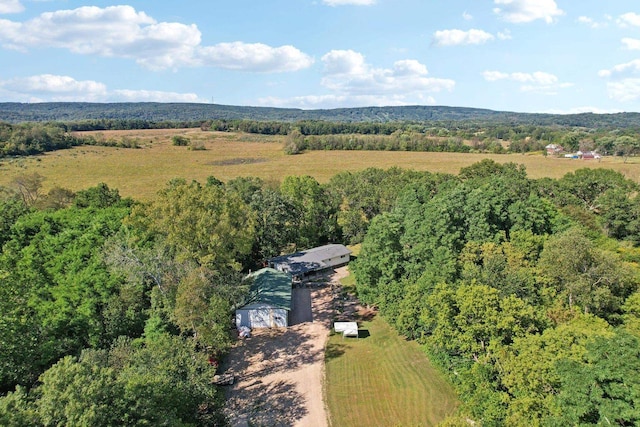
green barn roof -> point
(271, 287)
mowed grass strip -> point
(140, 173)
(381, 379)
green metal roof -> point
(271, 287)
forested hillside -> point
(174, 112)
(524, 291)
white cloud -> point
(593, 23)
(539, 77)
(344, 62)
(10, 6)
(52, 88)
(585, 20)
(347, 72)
(254, 57)
(622, 71)
(625, 90)
(630, 19)
(349, 2)
(493, 76)
(121, 31)
(521, 11)
(545, 89)
(539, 81)
(127, 95)
(504, 35)
(624, 84)
(351, 81)
(631, 44)
(55, 88)
(460, 37)
(467, 16)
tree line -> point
(36, 138)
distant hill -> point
(158, 112)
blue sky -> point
(556, 56)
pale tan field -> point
(140, 173)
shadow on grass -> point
(333, 351)
(363, 333)
(367, 314)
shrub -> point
(180, 141)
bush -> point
(294, 142)
(197, 146)
(180, 141)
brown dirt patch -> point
(280, 372)
(238, 161)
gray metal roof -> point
(311, 259)
(271, 287)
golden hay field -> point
(140, 173)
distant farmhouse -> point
(269, 302)
(306, 264)
(587, 155)
(554, 149)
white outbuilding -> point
(347, 329)
(269, 302)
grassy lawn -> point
(382, 380)
(141, 172)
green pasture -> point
(381, 379)
(141, 172)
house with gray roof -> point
(269, 302)
(303, 264)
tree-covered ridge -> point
(183, 112)
(111, 310)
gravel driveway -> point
(280, 371)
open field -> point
(140, 173)
(381, 379)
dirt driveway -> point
(280, 372)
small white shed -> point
(348, 329)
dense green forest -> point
(186, 112)
(524, 291)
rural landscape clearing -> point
(141, 172)
(471, 271)
(320, 213)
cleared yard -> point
(380, 379)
